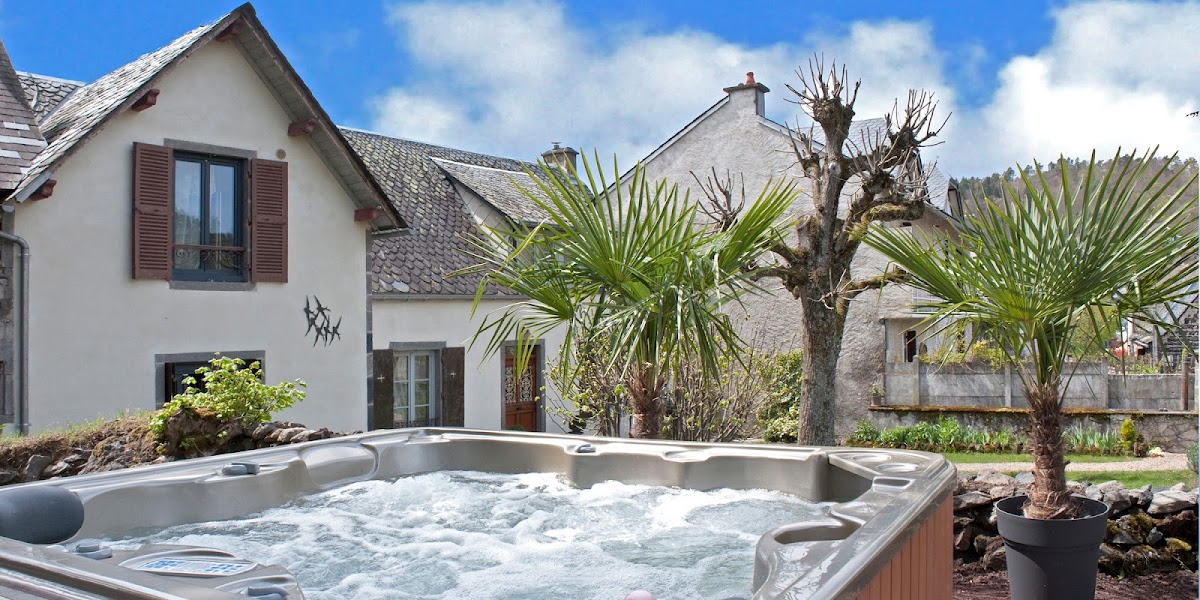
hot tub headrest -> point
(40, 514)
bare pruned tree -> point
(885, 163)
(719, 204)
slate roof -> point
(417, 179)
(499, 187)
(45, 93)
(84, 111)
(20, 138)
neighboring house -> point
(735, 137)
(425, 371)
(196, 200)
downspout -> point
(21, 339)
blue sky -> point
(1023, 80)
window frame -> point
(433, 378)
(240, 209)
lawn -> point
(1008, 457)
(1136, 479)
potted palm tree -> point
(630, 269)
(1032, 268)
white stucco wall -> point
(95, 331)
(447, 320)
(734, 138)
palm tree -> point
(1032, 269)
(629, 267)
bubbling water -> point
(487, 536)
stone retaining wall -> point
(1148, 530)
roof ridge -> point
(474, 166)
(51, 78)
(432, 145)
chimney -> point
(750, 92)
(563, 158)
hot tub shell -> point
(887, 535)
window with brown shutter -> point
(191, 221)
(153, 180)
(268, 220)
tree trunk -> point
(821, 344)
(1048, 496)
(645, 400)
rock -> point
(1141, 560)
(1076, 488)
(1024, 478)
(1111, 485)
(971, 500)
(1180, 525)
(1002, 491)
(996, 559)
(1093, 492)
(35, 465)
(8, 476)
(1181, 551)
(262, 430)
(1117, 501)
(284, 435)
(59, 469)
(1179, 487)
(1112, 560)
(1171, 501)
(986, 543)
(989, 479)
(1139, 498)
(1130, 530)
(961, 521)
(1154, 537)
(964, 539)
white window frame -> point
(409, 357)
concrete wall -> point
(734, 137)
(1092, 386)
(432, 321)
(95, 331)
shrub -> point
(865, 434)
(1193, 464)
(778, 417)
(949, 432)
(895, 437)
(232, 394)
(923, 434)
(1129, 435)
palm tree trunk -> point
(1048, 497)
(821, 344)
(645, 400)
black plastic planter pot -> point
(1051, 559)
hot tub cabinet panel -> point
(886, 535)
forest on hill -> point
(973, 190)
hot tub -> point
(886, 532)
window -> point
(414, 389)
(209, 219)
(202, 216)
(171, 369)
(417, 384)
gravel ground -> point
(1167, 462)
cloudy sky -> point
(1019, 80)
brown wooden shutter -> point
(383, 413)
(268, 221)
(153, 190)
(453, 393)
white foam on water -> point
(486, 536)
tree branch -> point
(847, 291)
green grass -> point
(1136, 479)
(1001, 457)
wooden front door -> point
(521, 392)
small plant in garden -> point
(778, 414)
(865, 434)
(949, 432)
(1193, 463)
(232, 392)
(1129, 436)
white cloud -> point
(1116, 74)
(510, 77)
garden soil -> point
(973, 582)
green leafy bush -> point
(1129, 435)
(778, 414)
(865, 434)
(1193, 464)
(923, 434)
(232, 392)
(949, 432)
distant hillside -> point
(975, 189)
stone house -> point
(196, 200)
(734, 136)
